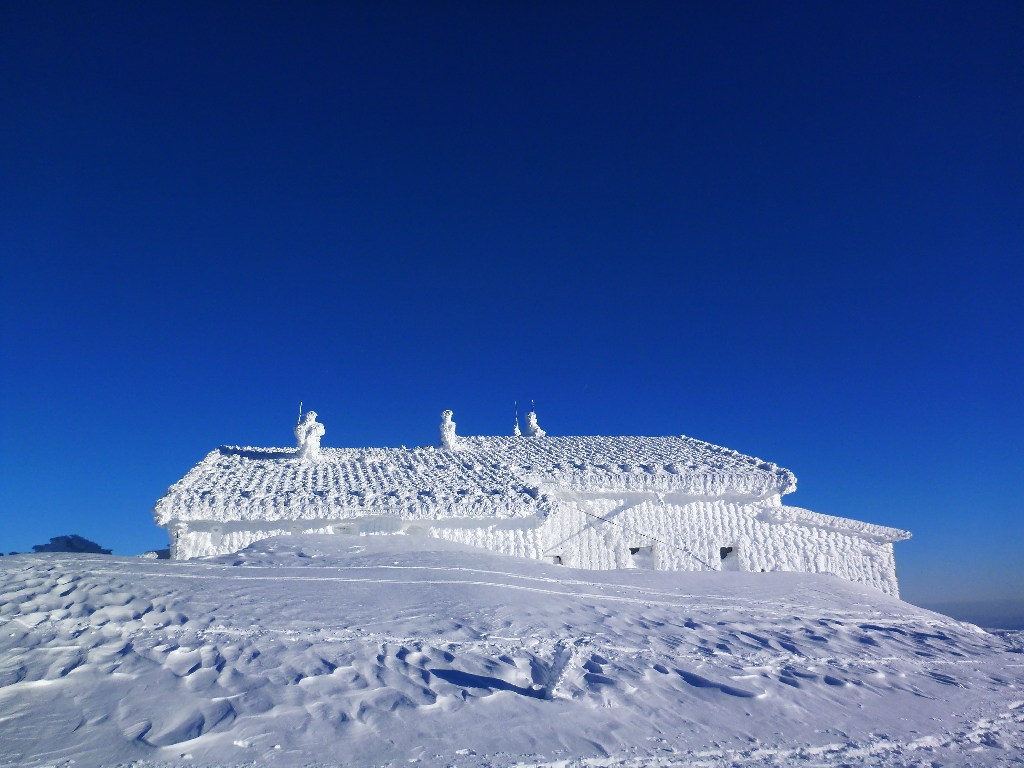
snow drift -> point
(388, 650)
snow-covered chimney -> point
(532, 428)
(307, 436)
(448, 438)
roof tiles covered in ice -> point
(485, 477)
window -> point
(642, 557)
(730, 557)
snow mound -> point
(373, 650)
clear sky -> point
(793, 230)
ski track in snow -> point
(310, 650)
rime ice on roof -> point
(532, 427)
(307, 435)
(448, 439)
(670, 503)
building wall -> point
(192, 543)
(519, 542)
(598, 531)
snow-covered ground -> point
(400, 650)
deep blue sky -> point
(793, 230)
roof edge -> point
(800, 516)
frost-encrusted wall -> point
(671, 503)
(188, 544)
(600, 532)
(690, 537)
(518, 542)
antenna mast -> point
(300, 413)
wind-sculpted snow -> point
(501, 477)
(392, 650)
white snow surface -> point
(499, 477)
(410, 650)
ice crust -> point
(487, 477)
(449, 441)
(868, 531)
(585, 502)
(307, 437)
(532, 427)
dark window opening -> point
(725, 552)
(642, 557)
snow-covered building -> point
(669, 503)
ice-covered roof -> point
(799, 516)
(485, 477)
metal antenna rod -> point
(300, 413)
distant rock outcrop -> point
(72, 543)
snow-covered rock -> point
(156, 554)
(669, 503)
